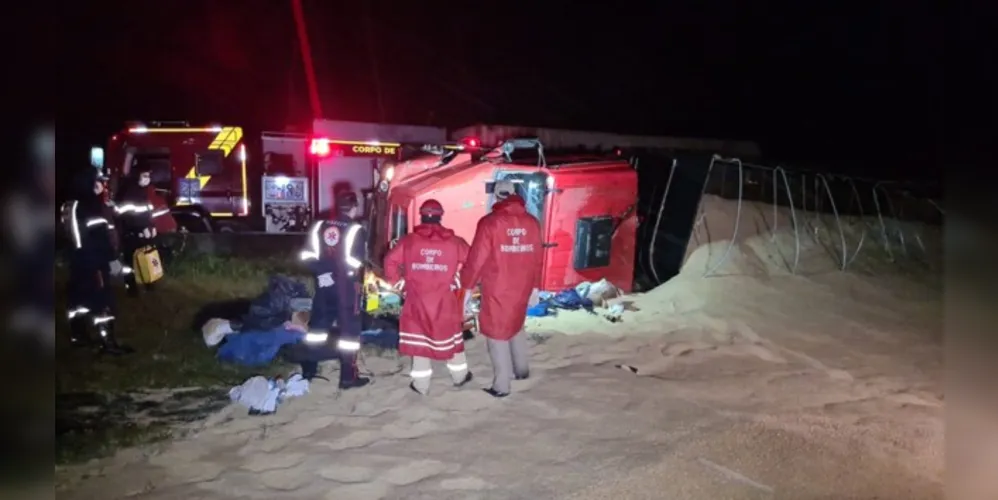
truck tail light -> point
(319, 146)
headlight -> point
(389, 173)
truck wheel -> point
(193, 223)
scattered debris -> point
(262, 395)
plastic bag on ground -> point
(600, 292)
(215, 330)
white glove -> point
(325, 280)
(116, 267)
(535, 298)
(152, 232)
(146, 233)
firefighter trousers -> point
(509, 361)
(422, 371)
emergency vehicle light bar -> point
(142, 129)
(323, 147)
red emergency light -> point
(319, 146)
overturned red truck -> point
(584, 201)
(582, 186)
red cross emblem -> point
(331, 236)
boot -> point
(494, 393)
(109, 343)
(78, 334)
(310, 371)
(467, 378)
(349, 374)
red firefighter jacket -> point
(506, 256)
(429, 259)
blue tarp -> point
(261, 347)
(256, 347)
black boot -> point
(467, 378)
(494, 393)
(310, 370)
(109, 343)
(78, 334)
(349, 374)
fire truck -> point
(221, 178)
(199, 173)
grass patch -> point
(103, 402)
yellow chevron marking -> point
(227, 139)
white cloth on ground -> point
(263, 395)
(215, 330)
(257, 393)
(295, 386)
(535, 298)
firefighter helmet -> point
(431, 208)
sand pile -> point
(781, 241)
(753, 243)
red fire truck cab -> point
(585, 203)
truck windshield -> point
(157, 162)
(531, 186)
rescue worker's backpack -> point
(147, 265)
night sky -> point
(840, 88)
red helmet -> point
(431, 208)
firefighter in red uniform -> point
(429, 259)
(506, 256)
